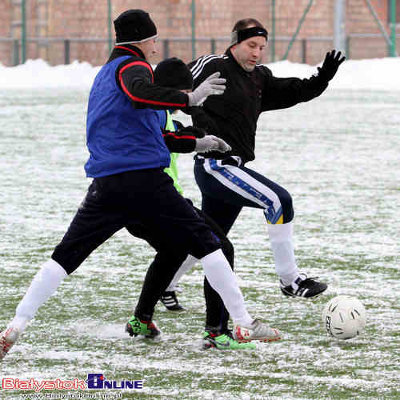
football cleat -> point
(224, 341)
(170, 301)
(148, 329)
(304, 287)
(256, 331)
(7, 340)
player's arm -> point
(183, 140)
(190, 138)
(135, 78)
(286, 92)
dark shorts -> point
(147, 202)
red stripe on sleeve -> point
(142, 63)
(134, 98)
(179, 137)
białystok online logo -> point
(93, 382)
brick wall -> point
(214, 19)
(5, 10)
(360, 20)
(5, 17)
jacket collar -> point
(127, 50)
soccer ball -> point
(344, 317)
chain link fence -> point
(96, 50)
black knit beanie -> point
(173, 73)
(134, 26)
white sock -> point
(281, 238)
(224, 282)
(185, 267)
(43, 285)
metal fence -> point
(96, 50)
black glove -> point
(192, 131)
(330, 65)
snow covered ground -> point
(379, 74)
(338, 155)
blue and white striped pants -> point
(227, 186)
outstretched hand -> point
(212, 85)
(331, 64)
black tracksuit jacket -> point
(136, 79)
(233, 116)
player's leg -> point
(226, 215)
(234, 185)
(164, 266)
(216, 198)
(159, 274)
(279, 215)
(157, 278)
(186, 266)
(169, 217)
(88, 229)
(217, 316)
(169, 297)
(237, 185)
(216, 332)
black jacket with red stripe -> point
(135, 78)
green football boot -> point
(224, 342)
(148, 329)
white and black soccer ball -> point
(344, 317)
